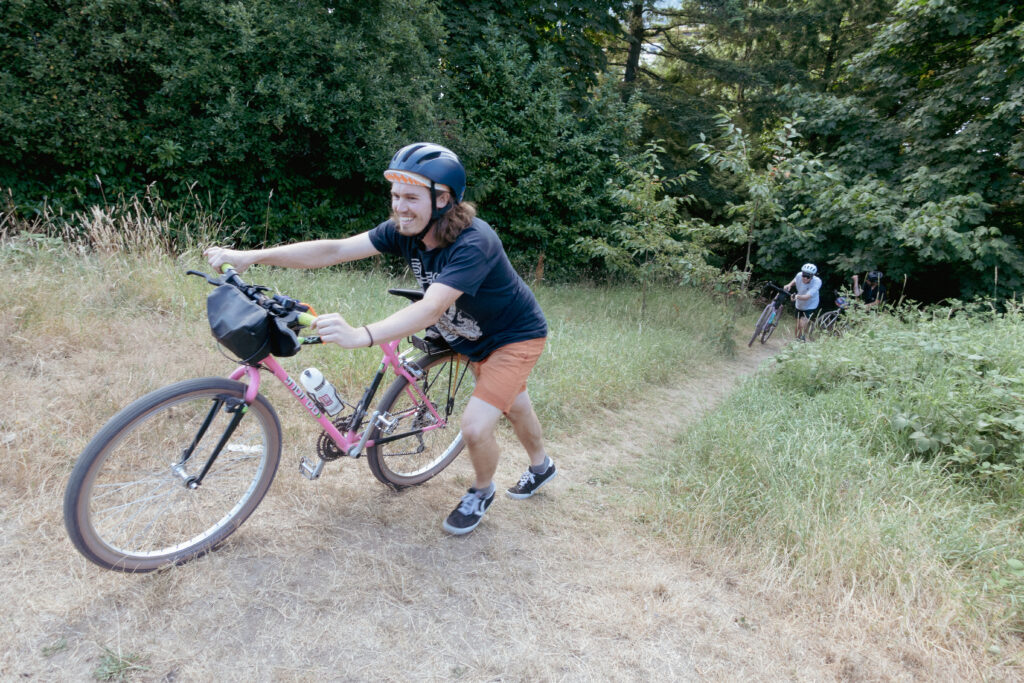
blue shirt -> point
(496, 307)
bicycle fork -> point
(237, 407)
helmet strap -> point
(435, 215)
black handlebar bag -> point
(242, 326)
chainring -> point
(325, 446)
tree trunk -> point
(636, 41)
(832, 53)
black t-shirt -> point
(496, 307)
(872, 293)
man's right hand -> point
(218, 256)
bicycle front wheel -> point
(759, 327)
(403, 454)
(129, 505)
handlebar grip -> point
(225, 267)
(306, 319)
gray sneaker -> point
(530, 482)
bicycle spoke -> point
(414, 458)
(129, 506)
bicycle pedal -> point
(309, 470)
(387, 426)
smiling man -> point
(472, 295)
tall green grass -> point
(812, 466)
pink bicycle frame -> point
(350, 442)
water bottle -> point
(321, 390)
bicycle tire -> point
(126, 509)
(831, 324)
(401, 463)
(768, 329)
(759, 326)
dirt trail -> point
(341, 580)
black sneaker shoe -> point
(530, 482)
(468, 514)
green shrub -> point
(943, 384)
(276, 111)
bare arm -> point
(312, 254)
(856, 286)
(416, 316)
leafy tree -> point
(689, 60)
(537, 163)
(572, 34)
(763, 206)
(924, 140)
(651, 241)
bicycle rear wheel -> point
(759, 327)
(419, 455)
(128, 504)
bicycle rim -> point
(447, 383)
(830, 324)
(128, 507)
(759, 326)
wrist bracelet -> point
(368, 335)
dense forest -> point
(694, 141)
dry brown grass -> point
(343, 580)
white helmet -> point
(809, 269)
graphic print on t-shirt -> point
(454, 323)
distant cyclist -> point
(873, 292)
(807, 284)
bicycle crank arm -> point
(358, 448)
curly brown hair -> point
(454, 222)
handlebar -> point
(296, 314)
(782, 296)
(293, 312)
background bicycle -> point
(831, 323)
(769, 318)
(180, 469)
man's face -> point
(410, 205)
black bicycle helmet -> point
(875, 276)
(427, 165)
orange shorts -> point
(502, 375)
